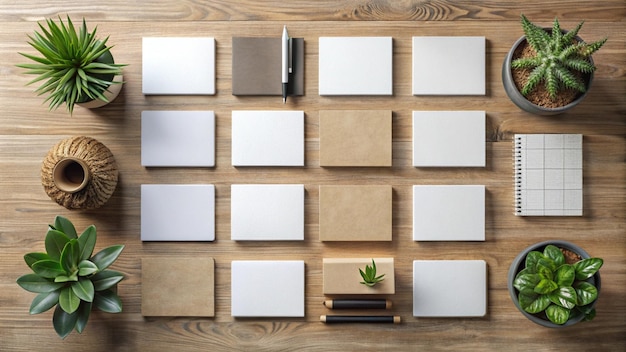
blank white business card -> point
(267, 288)
(355, 65)
(267, 138)
(449, 288)
(178, 138)
(267, 212)
(178, 212)
(449, 213)
(449, 138)
(178, 65)
(448, 65)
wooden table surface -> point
(28, 130)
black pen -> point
(357, 304)
(285, 63)
(388, 319)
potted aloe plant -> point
(75, 67)
(555, 283)
(549, 70)
(71, 278)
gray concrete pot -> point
(519, 263)
(518, 99)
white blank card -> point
(177, 212)
(355, 65)
(449, 288)
(178, 138)
(267, 288)
(449, 213)
(178, 65)
(267, 212)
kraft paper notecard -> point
(178, 212)
(355, 213)
(267, 288)
(355, 65)
(178, 65)
(171, 287)
(449, 138)
(548, 174)
(449, 213)
(448, 65)
(342, 276)
(257, 65)
(267, 212)
(436, 286)
(359, 138)
(178, 138)
(267, 138)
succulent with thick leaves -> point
(72, 278)
(548, 284)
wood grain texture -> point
(28, 130)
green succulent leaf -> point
(531, 261)
(107, 301)
(55, 242)
(107, 256)
(586, 268)
(565, 275)
(86, 268)
(44, 301)
(557, 314)
(87, 242)
(64, 322)
(564, 297)
(586, 293)
(533, 303)
(32, 258)
(48, 268)
(545, 286)
(64, 225)
(66, 278)
(555, 254)
(84, 310)
(70, 257)
(84, 289)
(37, 284)
(106, 279)
(68, 300)
(526, 283)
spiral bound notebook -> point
(548, 174)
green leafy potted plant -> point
(369, 275)
(72, 278)
(548, 70)
(76, 67)
(555, 283)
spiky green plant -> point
(559, 56)
(69, 277)
(369, 275)
(75, 66)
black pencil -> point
(358, 304)
(333, 319)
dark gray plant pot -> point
(518, 99)
(519, 263)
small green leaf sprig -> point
(369, 275)
(69, 277)
(71, 64)
(558, 56)
(548, 284)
